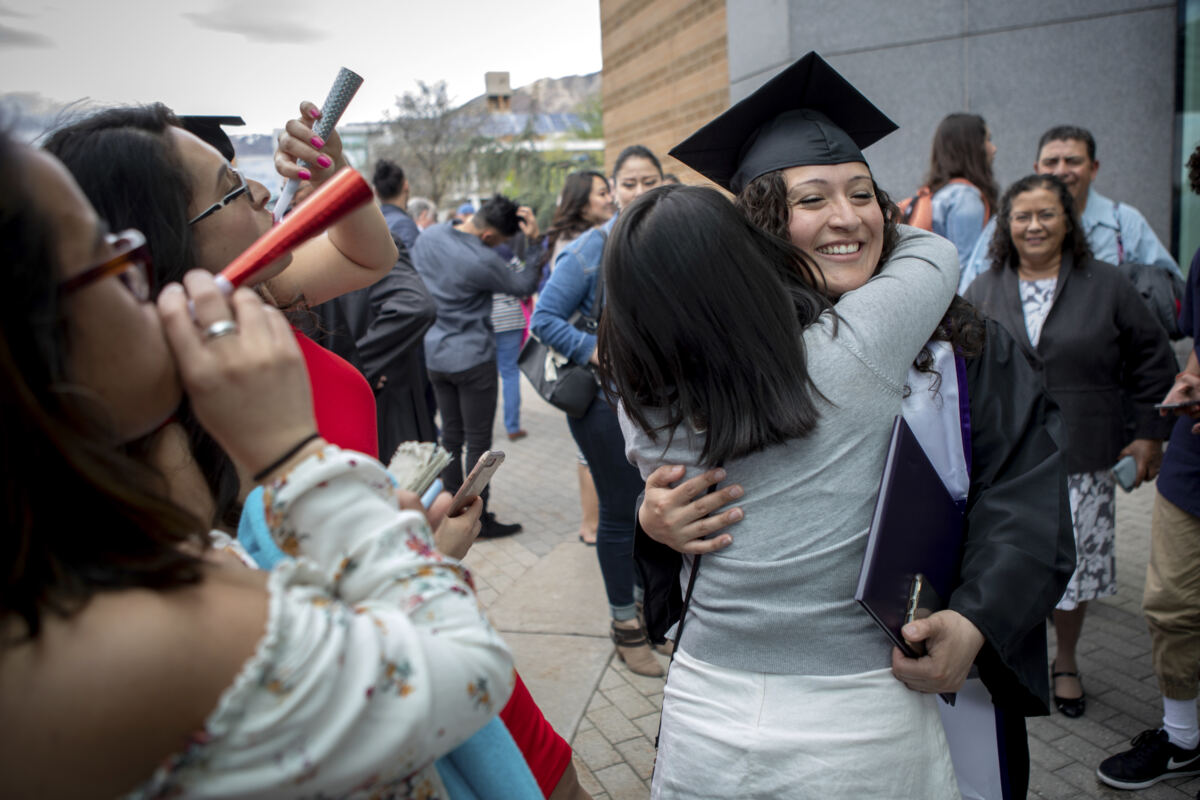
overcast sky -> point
(259, 58)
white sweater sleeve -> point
(376, 660)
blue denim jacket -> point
(572, 287)
(959, 215)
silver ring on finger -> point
(222, 327)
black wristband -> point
(277, 463)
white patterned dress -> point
(1092, 494)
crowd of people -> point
(215, 590)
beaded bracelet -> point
(277, 463)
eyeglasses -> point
(131, 265)
(241, 189)
(1045, 216)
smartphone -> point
(923, 601)
(1173, 406)
(1125, 473)
(481, 473)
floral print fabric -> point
(1093, 512)
(376, 659)
(1036, 299)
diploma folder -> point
(917, 528)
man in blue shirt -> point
(1116, 232)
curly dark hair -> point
(1003, 253)
(764, 202)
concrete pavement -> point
(542, 590)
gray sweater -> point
(462, 274)
(780, 598)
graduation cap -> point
(209, 129)
(807, 114)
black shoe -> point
(489, 528)
(1072, 707)
(1152, 759)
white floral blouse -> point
(376, 659)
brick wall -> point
(666, 73)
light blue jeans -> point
(508, 347)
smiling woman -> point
(837, 221)
(1100, 345)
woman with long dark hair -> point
(586, 201)
(140, 168)
(200, 677)
(960, 180)
(575, 286)
(1100, 344)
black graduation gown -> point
(1019, 550)
(380, 329)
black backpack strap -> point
(687, 600)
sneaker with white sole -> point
(1151, 759)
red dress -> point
(344, 407)
(343, 402)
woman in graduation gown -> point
(1002, 456)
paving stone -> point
(595, 750)
(586, 779)
(612, 678)
(622, 783)
(648, 725)
(615, 726)
(639, 755)
(599, 701)
(629, 700)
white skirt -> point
(731, 733)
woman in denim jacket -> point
(573, 286)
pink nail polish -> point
(324, 161)
(315, 113)
(305, 175)
(317, 142)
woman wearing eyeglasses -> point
(135, 659)
(140, 168)
(1085, 328)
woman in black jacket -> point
(1083, 326)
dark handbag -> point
(561, 382)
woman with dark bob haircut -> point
(138, 657)
(1099, 351)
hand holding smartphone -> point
(476, 481)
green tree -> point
(431, 140)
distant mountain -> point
(548, 95)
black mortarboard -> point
(807, 114)
(209, 129)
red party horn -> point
(341, 194)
